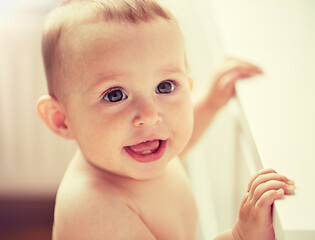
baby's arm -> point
(222, 90)
(255, 215)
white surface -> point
(280, 105)
(285, 140)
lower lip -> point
(146, 158)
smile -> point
(148, 151)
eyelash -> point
(174, 83)
(111, 90)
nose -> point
(147, 114)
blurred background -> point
(33, 159)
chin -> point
(148, 171)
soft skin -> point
(135, 59)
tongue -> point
(145, 146)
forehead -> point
(115, 41)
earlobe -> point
(53, 114)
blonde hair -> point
(74, 12)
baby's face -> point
(129, 107)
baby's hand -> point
(255, 216)
(224, 78)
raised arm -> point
(222, 90)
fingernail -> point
(290, 189)
(280, 191)
(291, 182)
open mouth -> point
(148, 151)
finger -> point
(247, 71)
(245, 199)
(237, 72)
(271, 185)
(260, 172)
(267, 177)
(228, 90)
(291, 182)
(263, 205)
(233, 62)
(228, 81)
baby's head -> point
(118, 84)
(60, 41)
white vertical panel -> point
(32, 159)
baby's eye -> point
(165, 87)
(115, 95)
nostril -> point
(147, 113)
(146, 120)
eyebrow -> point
(104, 78)
(171, 70)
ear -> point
(53, 114)
(191, 82)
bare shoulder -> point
(93, 210)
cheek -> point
(182, 119)
(95, 130)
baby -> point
(119, 86)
